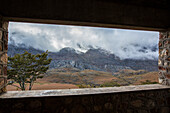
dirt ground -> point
(152, 76)
(45, 86)
(96, 77)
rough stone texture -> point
(81, 91)
(164, 58)
(153, 101)
(3, 53)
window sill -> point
(83, 91)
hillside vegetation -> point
(94, 68)
(68, 78)
(99, 78)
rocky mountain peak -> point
(94, 59)
(67, 50)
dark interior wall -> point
(156, 101)
(134, 14)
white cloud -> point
(55, 37)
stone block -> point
(166, 43)
(1, 81)
(160, 62)
(34, 104)
(68, 100)
(150, 103)
(168, 101)
(78, 109)
(5, 70)
(5, 25)
(1, 46)
(160, 51)
(164, 110)
(5, 45)
(50, 102)
(19, 111)
(167, 76)
(108, 106)
(160, 44)
(137, 103)
(161, 36)
(168, 59)
(18, 105)
(97, 108)
(163, 53)
(166, 63)
(143, 111)
(0, 35)
(4, 58)
(162, 68)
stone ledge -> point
(84, 91)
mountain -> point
(94, 59)
(13, 49)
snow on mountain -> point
(83, 48)
(94, 58)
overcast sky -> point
(55, 37)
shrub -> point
(26, 68)
(110, 84)
(86, 86)
(148, 82)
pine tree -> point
(26, 68)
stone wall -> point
(3, 53)
(164, 58)
(153, 101)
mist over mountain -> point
(100, 49)
(94, 59)
(126, 44)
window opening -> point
(87, 57)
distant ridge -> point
(94, 58)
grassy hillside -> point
(75, 76)
(67, 78)
(98, 78)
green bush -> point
(85, 86)
(110, 84)
(148, 82)
(106, 84)
(26, 68)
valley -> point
(69, 78)
(92, 69)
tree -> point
(26, 68)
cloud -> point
(123, 43)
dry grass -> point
(70, 78)
(151, 76)
(45, 86)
